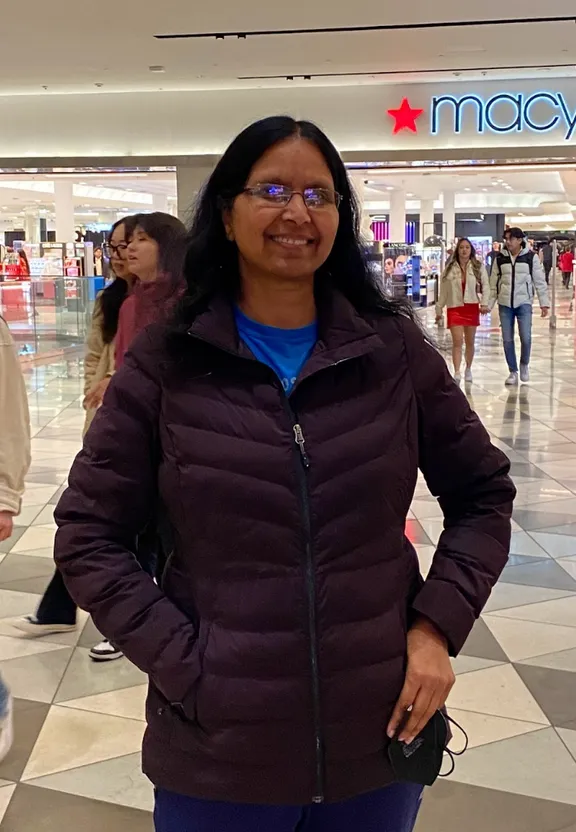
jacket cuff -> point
(10, 501)
(446, 608)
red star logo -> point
(405, 116)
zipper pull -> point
(300, 441)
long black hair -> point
(114, 295)
(211, 265)
(171, 235)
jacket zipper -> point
(513, 282)
(302, 468)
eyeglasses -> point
(280, 195)
(117, 251)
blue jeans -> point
(393, 809)
(3, 698)
(523, 314)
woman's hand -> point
(95, 395)
(6, 525)
(484, 310)
(429, 680)
(438, 320)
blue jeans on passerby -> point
(393, 809)
(523, 314)
(4, 696)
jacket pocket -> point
(191, 709)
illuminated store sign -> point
(503, 113)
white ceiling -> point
(528, 197)
(96, 194)
(110, 46)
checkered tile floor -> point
(79, 725)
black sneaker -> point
(105, 652)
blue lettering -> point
(496, 99)
(540, 96)
(570, 119)
(458, 104)
(522, 113)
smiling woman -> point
(281, 420)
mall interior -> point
(451, 124)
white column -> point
(426, 218)
(160, 203)
(64, 206)
(359, 187)
(32, 227)
(398, 216)
(189, 181)
(449, 216)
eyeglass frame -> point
(110, 250)
(336, 204)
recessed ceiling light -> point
(389, 188)
(157, 68)
(467, 189)
(409, 194)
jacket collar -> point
(342, 332)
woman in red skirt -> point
(465, 290)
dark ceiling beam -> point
(384, 27)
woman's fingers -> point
(422, 712)
(405, 701)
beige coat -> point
(99, 358)
(14, 425)
(451, 294)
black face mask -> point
(421, 761)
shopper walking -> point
(567, 266)
(547, 259)
(492, 255)
(14, 464)
(465, 290)
(516, 276)
(291, 631)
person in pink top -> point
(156, 257)
(151, 250)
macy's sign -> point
(503, 113)
(540, 112)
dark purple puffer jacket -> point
(276, 648)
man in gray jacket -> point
(517, 275)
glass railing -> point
(49, 315)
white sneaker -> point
(457, 378)
(512, 380)
(6, 730)
(468, 376)
(33, 628)
(105, 652)
(524, 373)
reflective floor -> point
(79, 725)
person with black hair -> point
(155, 254)
(517, 275)
(281, 418)
(57, 611)
(99, 357)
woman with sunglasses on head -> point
(282, 418)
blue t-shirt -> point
(284, 350)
